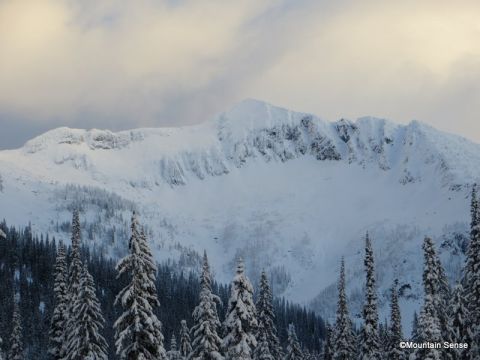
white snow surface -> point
(288, 191)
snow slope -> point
(288, 191)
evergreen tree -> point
(441, 289)
(262, 351)
(472, 253)
(185, 343)
(458, 324)
(294, 351)
(395, 331)
(173, 354)
(75, 269)
(240, 322)
(471, 279)
(16, 342)
(344, 338)
(85, 341)
(58, 322)
(384, 338)
(138, 334)
(307, 355)
(74, 275)
(370, 347)
(443, 299)
(206, 342)
(311, 355)
(266, 318)
(327, 346)
(429, 323)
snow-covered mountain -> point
(288, 191)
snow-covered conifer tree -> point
(75, 269)
(262, 351)
(327, 345)
(240, 322)
(173, 353)
(458, 323)
(369, 341)
(74, 275)
(472, 253)
(138, 334)
(266, 318)
(443, 298)
(185, 343)
(395, 333)
(86, 342)
(306, 354)
(429, 323)
(344, 338)
(16, 341)
(294, 351)
(206, 342)
(471, 278)
(58, 322)
(383, 336)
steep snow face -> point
(288, 191)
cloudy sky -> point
(121, 64)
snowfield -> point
(288, 191)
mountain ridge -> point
(255, 129)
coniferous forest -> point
(59, 302)
(34, 278)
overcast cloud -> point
(121, 64)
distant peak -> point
(55, 136)
(251, 114)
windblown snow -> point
(288, 191)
